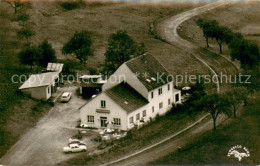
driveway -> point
(43, 143)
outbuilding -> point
(41, 86)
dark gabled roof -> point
(125, 96)
(149, 66)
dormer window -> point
(152, 95)
(159, 91)
(103, 104)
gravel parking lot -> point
(44, 143)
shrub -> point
(157, 117)
(92, 71)
(21, 17)
(72, 5)
(78, 135)
(98, 139)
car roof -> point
(66, 94)
(71, 145)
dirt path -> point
(167, 29)
(43, 144)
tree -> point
(46, 54)
(205, 26)
(215, 104)
(236, 96)
(80, 45)
(199, 87)
(222, 34)
(249, 79)
(121, 48)
(235, 46)
(25, 33)
(15, 4)
(28, 56)
(247, 53)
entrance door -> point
(103, 121)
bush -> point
(79, 135)
(21, 17)
(98, 139)
(92, 71)
(72, 5)
(157, 117)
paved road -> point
(43, 143)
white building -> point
(139, 89)
(41, 86)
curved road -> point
(168, 30)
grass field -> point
(49, 21)
(213, 146)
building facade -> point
(139, 90)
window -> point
(131, 120)
(144, 113)
(103, 103)
(159, 91)
(48, 89)
(138, 116)
(117, 121)
(160, 105)
(90, 119)
(169, 87)
(152, 95)
(153, 109)
(169, 101)
(177, 98)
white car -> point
(76, 141)
(75, 148)
(65, 97)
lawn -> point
(139, 138)
(213, 146)
(50, 21)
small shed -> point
(41, 86)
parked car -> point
(65, 97)
(76, 141)
(75, 148)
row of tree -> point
(121, 48)
(247, 53)
(215, 104)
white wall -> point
(166, 94)
(133, 114)
(40, 93)
(115, 112)
(123, 73)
